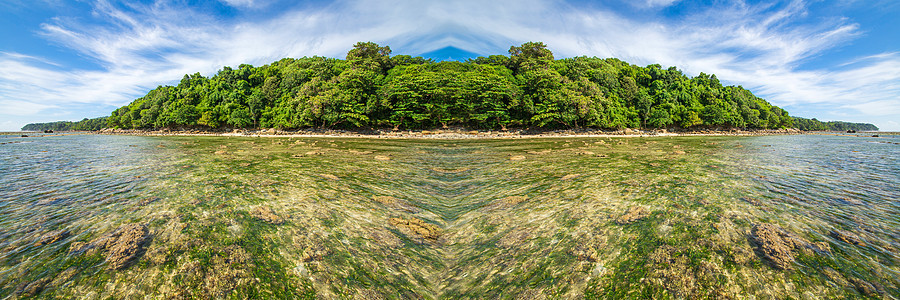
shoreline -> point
(449, 133)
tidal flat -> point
(127, 217)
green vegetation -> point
(370, 88)
(83, 125)
(816, 125)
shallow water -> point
(451, 219)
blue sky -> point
(68, 60)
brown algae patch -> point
(121, 247)
(267, 215)
(633, 214)
(417, 228)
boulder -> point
(123, 245)
(774, 244)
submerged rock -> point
(847, 237)
(52, 237)
(266, 214)
(780, 247)
(123, 245)
(775, 244)
(866, 288)
(417, 228)
(513, 200)
(386, 200)
(31, 289)
(633, 214)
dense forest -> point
(371, 88)
(816, 125)
(83, 125)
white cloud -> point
(239, 3)
(660, 3)
(758, 46)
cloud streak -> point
(761, 47)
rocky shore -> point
(451, 133)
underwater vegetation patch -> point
(355, 218)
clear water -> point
(450, 219)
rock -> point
(267, 215)
(517, 157)
(52, 237)
(866, 288)
(382, 157)
(221, 152)
(678, 152)
(821, 247)
(513, 200)
(386, 200)
(416, 228)
(123, 245)
(776, 245)
(33, 288)
(633, 214)
(847, 237)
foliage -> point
(816, 125)
(528, 88)
(83, 125)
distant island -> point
(371, 88)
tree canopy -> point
(816, 125)
(527, 88)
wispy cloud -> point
(762, 47)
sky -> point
(69, 60)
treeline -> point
(527, 88)
(83, 125)
(816, 125)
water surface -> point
(665, 217)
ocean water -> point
(802, 216)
